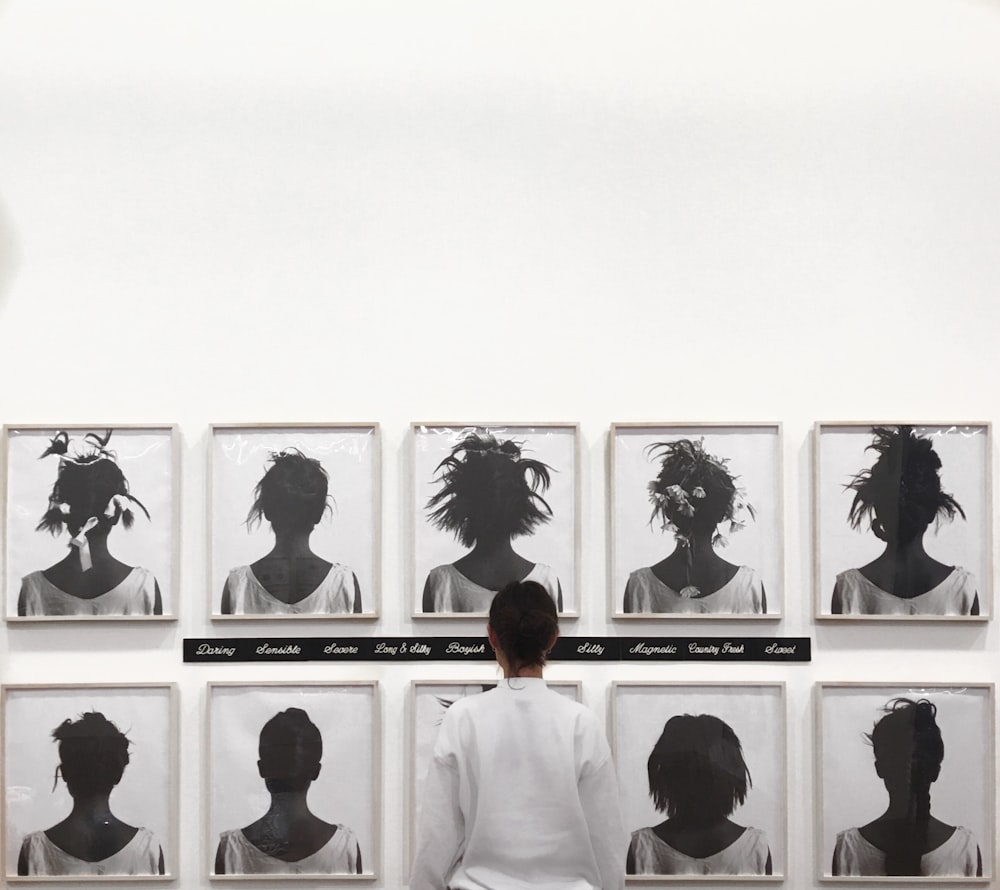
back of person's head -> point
(901, 493)
(290, 749)
(525, 623)
(89, 485)
(696, 770)
(694, 491)
(292, 494)
(489, 491)
(93, 754)
(909, 751)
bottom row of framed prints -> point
(904, 779)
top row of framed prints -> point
(902, 520)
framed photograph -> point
(711, 755)
(293, 781)
(90, 783)
(494, 503)
(903, 528)
(429, 700)
(905, 776)
(294, 519)
(90, 522)
(697, 521)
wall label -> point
(410, 649)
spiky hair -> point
(488, 489)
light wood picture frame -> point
(546, 548)
(109, 493)
(662, 564)
(252, 575)
(117, 737)
(903, 521)
(728, 737)
(862, 774)
(334, 722)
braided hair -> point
(488, 490)
(908, 739)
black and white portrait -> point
(90, 522)
(696, 520)
(89, 781)
(902, 521)
(493, 504)
(701, 770)
(907, 781)
(293, 782)
(294, 519)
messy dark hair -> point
(87, 483)
(292, 493)
(93, 753)
(903, 485)
(489, 490)
(694, 491)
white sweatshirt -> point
(520, 793)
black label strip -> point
(411, 649)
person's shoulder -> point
(847, 838)
(756, 837)
(143, 576)
(962, 577)
(750, 574)
(445, 569)
(33, 579)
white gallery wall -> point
(236, 211)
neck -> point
(98, 544)
(908, 553)
(288, 805)
(291, 544)
(902, 806)
(493, 549)
(93, 809)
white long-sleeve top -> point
(521, 793)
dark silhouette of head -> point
(909, 751)
(290, 751)
(89, 484)
(524, 622)
(488, 491)
(900, 494)
(292, 494)
(694, 492)
(696, 770)
(93, 754)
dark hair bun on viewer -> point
(524, 620)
